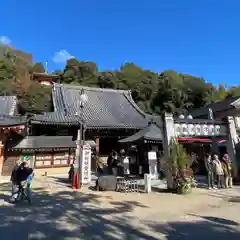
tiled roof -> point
(8, 121)
(106, 108)
(8, 105)
(223, 105)
(151, 133)
(53, 118)
(48, 142)
(8, 111)
(157, 119)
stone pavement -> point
(59, 213)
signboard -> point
(183, 129)
(29, 158)
(152, 160)
(152, 155)
(86, 165)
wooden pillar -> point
(97, 140)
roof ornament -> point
(83, 98)
(210, 114)
(181, 116)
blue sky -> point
(198, 37)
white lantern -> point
(189, 117)
(83, 98)
(211, 130)
(205, 130)
(184, 129)
(198, 130)
(217, 130)
(181, 116)
(191, 129)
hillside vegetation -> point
(153, 92)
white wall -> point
(237, 122)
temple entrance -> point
(200, 149)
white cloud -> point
(62, 56)
(5, 40)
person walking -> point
(210, 171)
(218, 171)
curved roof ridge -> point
(129, 97)
(79, 87)
(14, 105)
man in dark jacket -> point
(23, 173)
(14, 181)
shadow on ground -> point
(66, 215)
(74, 215)
(206, 228)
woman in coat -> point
(227, 167)
(218, 171)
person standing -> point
(23, 180)
(218, 170)
(194, 162)
(120, 163)
(227, 162)
(14, 182)
(210, 171)
(114, 163)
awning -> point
(48, 142)
(202, 140)
(150, 133)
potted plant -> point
(182, 174)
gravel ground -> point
(58, 212)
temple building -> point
(45, 79)
(111, 120)
(108, 115)
(12, 126)
(227, 109)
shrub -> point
(179, 163)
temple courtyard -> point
(58, 212)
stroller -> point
(23, 191)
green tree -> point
(233, 91)
(80, 72)
(38, 68)
(15, 80)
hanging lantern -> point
(198, 130)
(205, 129)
